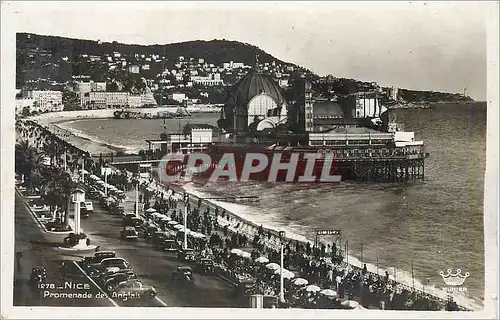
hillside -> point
(52, 62)
(51, 49)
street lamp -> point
(282, 291)
(78, 196)
(184, 220)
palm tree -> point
(54, 149)
(28, 160)
(57, 187)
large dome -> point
(252, 84)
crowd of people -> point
(322, 266)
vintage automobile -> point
(186, 255)
(129, 232)
(243, 290)
(158, 238)
(183, 274)
(114, 264)
(93, 193)
(150, 231)
(38, 276)
(132, 220)
(131, 290)
(116, 209)
(113, 279)
(170, 245)
(98, 257)
(205, 265)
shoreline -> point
(230, 208)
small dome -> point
(252, 84)
(327, 109)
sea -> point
(412, 230)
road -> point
(28, 240)
(155, 267)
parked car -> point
(205, 265)
(86, 208)
(186, 255)
(157, 239)
(129, 233)
(131, 219)
(114, 279)
(133, 289)
(93, 193)
(114, 264)
(183, 274)
(116, 209)
(170, 245)
(98, 257)
(150, 231)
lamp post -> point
(282, 290)
(106, 181)
(78, 197)
(186, 202)
(83, 169)
(65, 160)
(137, 198)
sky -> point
(438, 46)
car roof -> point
(184, 268)
(115, 258)
(103, 253)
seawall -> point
(109, 113)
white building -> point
(45, 100)
(135, 101)
(103, 100)
(83, 87)
(180, 97)
(211, 80)
(367, 106)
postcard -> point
(249, 159)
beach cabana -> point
(287, 274)
(245, 254)
(300, 282)
(312, 288)
(262, 260)
(237, 252)
(328, 293)
(350, 303)
(272, 266)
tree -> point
(58, 185)
(27, 161)
(70, 100)
(53, 149)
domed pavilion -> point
(255, 103)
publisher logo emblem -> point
(454, 281)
